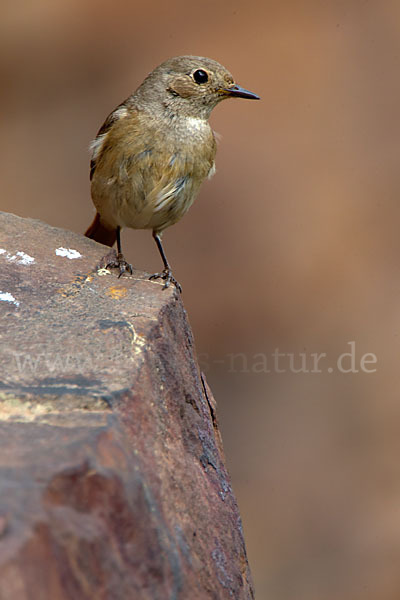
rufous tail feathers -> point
(98, 232)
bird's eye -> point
(200, 76)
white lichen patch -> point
(68, 253)
(7, 297)
(103, 271)
(21, 258)
(24, 259)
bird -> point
(153, 152)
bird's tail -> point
(98, 232)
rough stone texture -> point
(112, 476)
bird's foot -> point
(168, 278)
(120, 263)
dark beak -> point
(235, 91)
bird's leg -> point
(120, 263)
(167, 272)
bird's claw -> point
(168, 278)
(120, 263)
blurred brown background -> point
(292, 247)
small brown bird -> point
(154, 151)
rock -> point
(112, 477)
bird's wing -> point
(98, 143)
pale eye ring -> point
(200, 76)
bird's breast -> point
(148, 176)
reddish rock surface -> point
(112, 477)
